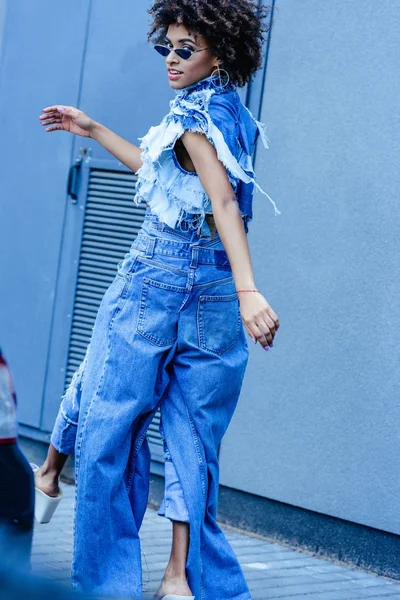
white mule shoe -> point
(44, 505)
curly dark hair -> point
(234, 30)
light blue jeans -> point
(168, 334)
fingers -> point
(260, 333)
(55, 128)
(266, 330)
(264, 335)
(52, 124)
(268, 325)
(52, 117)
(46, 120)
(57, 112)
(54, 108)
(274, 318)
(49, 108)
(251, 334)
(263, 330)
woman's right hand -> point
(66, 118)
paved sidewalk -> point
(272, 570)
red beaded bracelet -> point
(247, 290)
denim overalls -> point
(168, 334)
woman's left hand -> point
(260, 320)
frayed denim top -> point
(176, 195)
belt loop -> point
(150, 247)
(195, 257)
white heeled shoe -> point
(44, 505)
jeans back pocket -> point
(218, 322)
(159, 311)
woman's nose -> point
(172, 58)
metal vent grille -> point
(112, 221)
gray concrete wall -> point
(317, 425)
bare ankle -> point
(49, 471)
(172, 573)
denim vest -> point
(176, 195)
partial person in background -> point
(16, 481)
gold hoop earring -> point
(223, 80)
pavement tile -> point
(272, 571)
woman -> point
(169, 331)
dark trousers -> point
(17, 504)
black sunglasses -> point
(184, 53)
